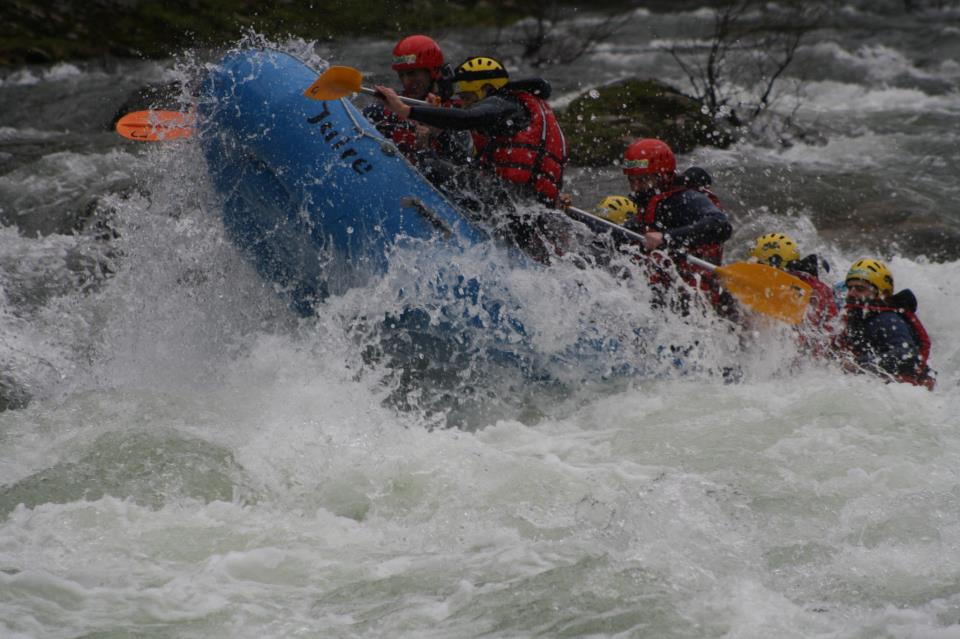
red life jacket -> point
(814, 335)
(403, 133)
(534, 156)
(920, 376)
(822, 308)
(712, 253)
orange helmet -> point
(418, 52)
(648, 155)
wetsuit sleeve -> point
(892, 346)
(494, 112)
(701, 222)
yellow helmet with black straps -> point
(616, 208)
(775, 249)
(873, 271)
(475, 73)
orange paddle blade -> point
(766, 290)
(156, 126)
(335, 83)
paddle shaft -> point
(405, 100)
(613, 226)
(752, 284)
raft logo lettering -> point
(338, 141)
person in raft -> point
(781, 251)
(515, 137)
(515, 133)
(676, 214)
(423, 75)
(881, 332)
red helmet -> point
(418, 52)
(648, 155)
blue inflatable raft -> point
(313, 194)
(318, 200)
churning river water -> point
(184, 457)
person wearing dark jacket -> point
(677, 214)
(882, 333)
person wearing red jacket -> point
(516, 138)
(820, 323)
(781, 251)
(515, 133)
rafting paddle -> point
(761, 288)
(338, 82)
(156, 126)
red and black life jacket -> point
(534, 156)
(921, 375)
(814, 335)
(822, 309)
(403, 132)
(713, 252)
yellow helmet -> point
(475, 73)
(873, 271)
(775, 249)
(616, 208)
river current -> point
(182, 456)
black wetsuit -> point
(497, 114)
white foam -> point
(11, 134)
(878, 62)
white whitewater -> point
(195, 461)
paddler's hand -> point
(564, 201)
(390, 98)
(652, 240)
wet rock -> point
(12, 395)
(600, 123)
(148, 468)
